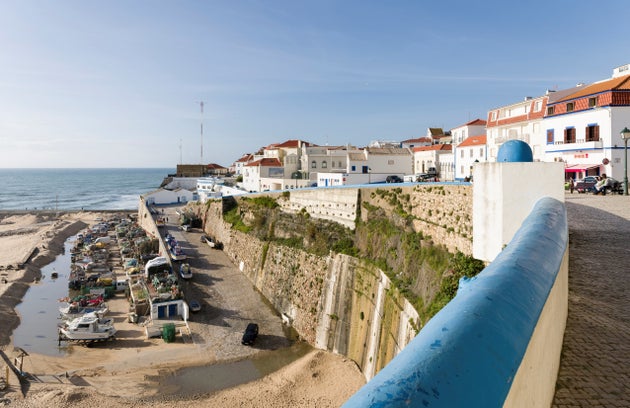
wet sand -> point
(125, 372)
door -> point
(172, 310)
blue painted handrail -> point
(468, 353)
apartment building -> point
(583, 127)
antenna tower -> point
(201, 105)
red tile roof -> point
(291, 143)
(441, 147)
(266, 162)
(614, 84)
(473, 141)
(423, 139)
(214, 166)
(246, 157)
(476, 122)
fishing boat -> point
(177, 254)
(74, 310)
(87, 328)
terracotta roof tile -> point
(473, 141)
(266, 162)
(620, 83)
(441, 147)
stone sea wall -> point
(334, 301)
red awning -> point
(577, 168)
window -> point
(313, 164)
(340, 164)
(471, 153)
(570, 107)
(592, 102)
(353, 168)
(333, 163)
(481, 152)
(549, 136)
(324, 164)
(550, 110)
(494, 115)
(537, 106)
(461, 153)
(390, 162)
(592, 133)
(569, 135)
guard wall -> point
(498, 342)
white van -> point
(121, 285)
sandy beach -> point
(123, 372)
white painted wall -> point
(504, 195)
(535, 379)
(610, 120)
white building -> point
(583, 127)
(209, 187)
(425, 157)
(470, 151)
(472, 128)
(418, 142)
(369, 165)
(518, 121)
(163, 196)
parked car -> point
(194, 306)
(422, 177)
(586, 184)
(185, 272)
(393, 179)
(251, 332)
(213, 242)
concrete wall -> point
(498, 342)
(503, 196)
(338, 303)
(334, 204)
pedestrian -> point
(601, 185)
(571, 185)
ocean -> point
(76, 189)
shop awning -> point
(577, 168)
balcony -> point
(580, 144)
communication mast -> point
(201, 105)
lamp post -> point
(625, 135)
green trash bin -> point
(168, 332)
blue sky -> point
(118, 83)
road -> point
(228, 299)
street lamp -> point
(625, 135)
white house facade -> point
(583, 128)
(467, 153)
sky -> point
(119, 83)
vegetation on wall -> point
(260, 217)
(425, 273)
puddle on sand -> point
(39, 310)
(211, 378)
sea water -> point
(76, 189)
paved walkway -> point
(595, 363)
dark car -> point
(194, 306)
(393, 179)
(251, 332)
(586, 184)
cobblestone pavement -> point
(595, 362)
